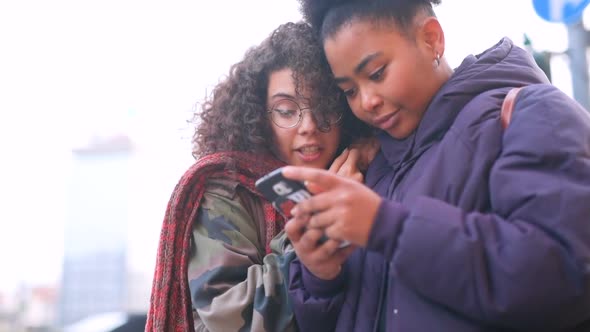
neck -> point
(445, 67)
(444, 71)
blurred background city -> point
(94, 102)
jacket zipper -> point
(397, 179)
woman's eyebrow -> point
(282, 95)
(357, 70)
(365, 61)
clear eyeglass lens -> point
(287, 113)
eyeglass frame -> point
(300, 119)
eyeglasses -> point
(286, 113)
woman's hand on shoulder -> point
(367, 149)
(346, 165)
(355, 159)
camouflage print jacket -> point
(234, 284)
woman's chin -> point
(315, 163)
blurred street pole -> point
(578, 43)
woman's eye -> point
(377, 74)
(349, 93)
(286, 112)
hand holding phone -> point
(285, 194)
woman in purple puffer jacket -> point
(461, 225)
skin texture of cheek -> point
(277, 147)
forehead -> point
(282, 85)
(361, 33)
(281, 80)
(358, 39)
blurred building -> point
(39, 311)
(94, 278)
(30, 309)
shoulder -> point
(229, 198)
(477, 125)
(546, 116)
(225, 188)
(535, 104)
(548, 129)
(223, 193)
(545, 102)
(481, 110)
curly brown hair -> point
(234, 117)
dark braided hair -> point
(328, 16)
(234, 117)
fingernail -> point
(286, 170)
(294, 211)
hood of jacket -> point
(504, 65)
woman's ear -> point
(432, 35)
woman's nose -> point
(308, 122)
(370, 101)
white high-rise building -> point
(94, 275)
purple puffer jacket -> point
(481, 229)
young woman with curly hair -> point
(473, 218)
(220, 262)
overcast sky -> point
(72, 68)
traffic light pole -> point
(578, 43)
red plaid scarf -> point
(170, 304)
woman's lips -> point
(309, 153)
(386, 121)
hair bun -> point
(314, 11)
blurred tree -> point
(543, 58)
(577, 36)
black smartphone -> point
(282, 192)
(285, 194)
